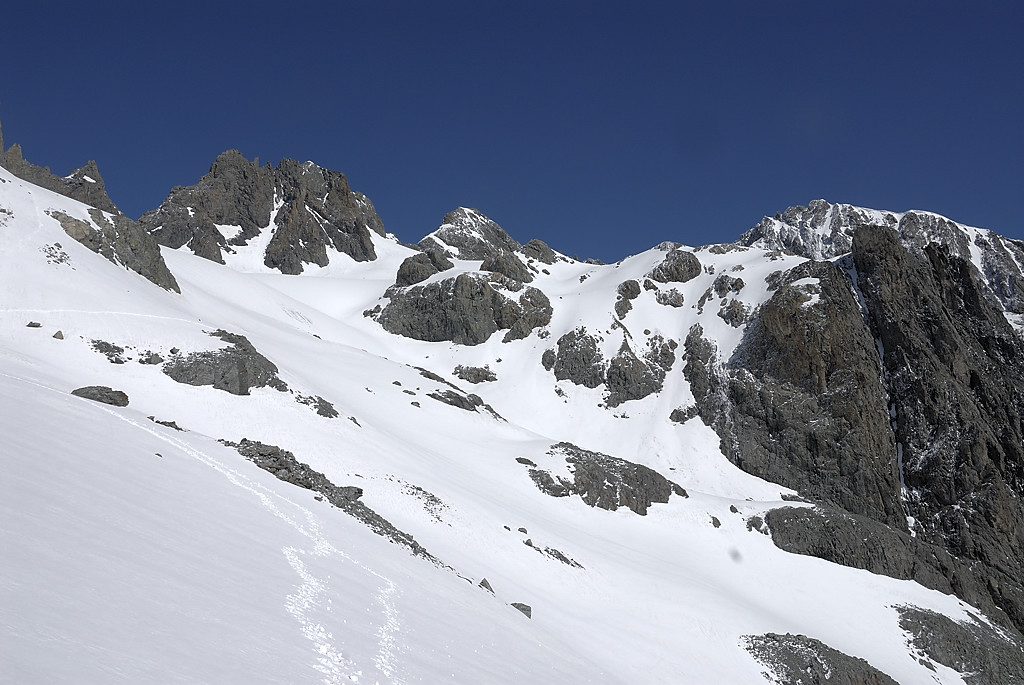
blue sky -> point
(602, 128)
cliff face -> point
(302, 211)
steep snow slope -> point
(136, 552)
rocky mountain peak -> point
(466, 233)
(84, 184)
(313, 211)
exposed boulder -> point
(980, 653)
(466, 310)
(475, 374)
(626, 292)
(801, 660)
(235, 369)
(577, 359)
(121, 241)
(606, 482)
(630, 378)
(539, 250)
(468, 234)
(420, 267)
(679, 266)
(524, 608)
(507, 264)
(103, 394)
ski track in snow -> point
(308, 596)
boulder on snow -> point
(235, 369)
(801, 660)
(102, 393)
(525, 608)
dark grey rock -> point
(607, 482)
(84, 184)
(978, 652)
(322, 406)
(525, 608)
(486, 586)
(470, 235)
(626, 291)
(679, 266)
(59, 335)
(669, 298)
(578, 359)
(284, 466)
(860, 542)
(121, 241)
(630, 378)
(149, 357)
(801, 660)
(525, 461)
(113, 353)
(319, 211)
(539, 250)
(102, 393)
(33, 324)
(235, 369)
(475, 374)
(420, 267)
(507, 264)
(457, 399)
(466, 310)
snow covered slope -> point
(136, 552)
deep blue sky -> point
(602, 128)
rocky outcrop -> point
(475, 374)
(466, 310)
(577, 359)
(606, 482)
(84, 184)
(235, 369)
(629, 377)
(801, 660)
(312, 210)
(468, 234)
(955, 371)
(801, 402)
(103, 394)
(973, 648)
(507, 264)
(678, 266)
(420, 267)
(539, 250)
(859, 542)
(284, 466)
(825, 231)
(121, 241)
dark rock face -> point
(524, 608)
(122, 242)
(507, 264)
(235, 369)
(626, 293)
(466, 310)
(974, 649)
(420, 267)
(578, 359)
(84, 184)
(801, 402)
(630, 378)
(607, 482)
(955, 370)
(801, 660)
(468, 234)
(286, 467)
(539, 250)
(102, 393)
(679, 266)
(859, 542)
(317, 210)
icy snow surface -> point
(136, 553)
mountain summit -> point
(281, 446)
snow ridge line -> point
(329, 660)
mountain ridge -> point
(751, 377)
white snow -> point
(136, 553)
